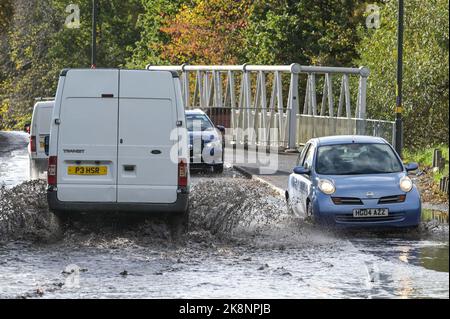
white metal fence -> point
(266, 98)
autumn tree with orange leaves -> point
(208, 32)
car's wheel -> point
(180, 224)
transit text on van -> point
(74, 151)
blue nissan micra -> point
(353, 181)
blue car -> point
(354, 181)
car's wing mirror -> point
(221, 128)
(300, 170)
(412, 167)
(47, 145)
(27, 128)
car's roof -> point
(348, 139)
(195, 112)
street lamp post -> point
(94, 35)
(399, 105)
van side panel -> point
(54, 128)
(147, 117)
(88, 136)
(40, 128)
(33, 129)
(43, 129)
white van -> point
(110, 143)
(40, 129)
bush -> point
(426, 69)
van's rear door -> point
(43, 126)
(87, 139)
(147, 116)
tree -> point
(207, 32)
(5, 14)
(25, 62)
(320, 32)
(426, 69)
(261, 32)
(6, 11)
(40, 45)
(116, 33)
(152, 39)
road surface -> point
(242, 244)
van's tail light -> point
(33, 144)
(52, 170)
(182, 174)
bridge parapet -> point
(266, 99)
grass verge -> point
(424, 158)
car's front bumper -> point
(179, 206)
(401, 215)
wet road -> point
(241, 244)
(14, 164)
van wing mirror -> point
(300, 170)
(221, 128)
(412, 167)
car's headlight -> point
(406, 184)
(327, 186)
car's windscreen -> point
(198, 123)
(354, 159)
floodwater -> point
(14, 163)
(242, 244)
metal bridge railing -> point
(266, 98)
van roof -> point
(44, 104)
(65, 71)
